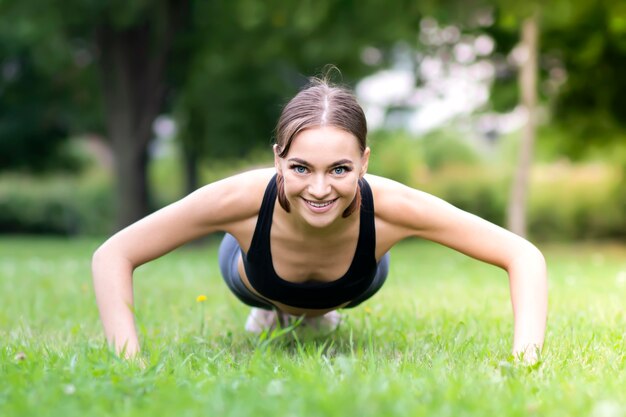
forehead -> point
(324, 143)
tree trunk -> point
(132, 66)
(190, 161)
(528, 88)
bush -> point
(409, 159)
(442, 148)
(396, 156)
(576, 202)
(61, 205)
(478, 190)
(566, 202)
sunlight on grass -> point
(434, 341)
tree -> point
(43, 92)
(516, 212)
(254, 55)
(32, 129)
(591, 105)
(127, 45)
(251, 53)
(580, 56)
(591, 47)
(133, 63)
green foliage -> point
(582, 51)
(248, 58)
(65, 205)
(435, 341)
(450, 169)
(481, 191)
(396, 156)
(566, 202)
(166, 172)
(577, 203)
(592, 101)
(227, 113)
(443, 165)
(443, 147)
(84, 205)
(32, 129)
(46, 89)
(405, 158)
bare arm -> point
(112, 281)
(223, 205)
(414, 213)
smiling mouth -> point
(320, 204)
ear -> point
(277, 159)
(364, 161)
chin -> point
(320, 220)
(318, 223)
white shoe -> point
(326, 323)
(260, 320)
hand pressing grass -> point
(435, 341)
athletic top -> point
(316, 295)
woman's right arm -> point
(218, 206)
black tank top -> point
(316, 295)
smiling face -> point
(321, 173)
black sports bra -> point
(315, 295)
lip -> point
(320, 207)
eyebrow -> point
(336, 163)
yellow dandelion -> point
(368, 310)
(201, 298)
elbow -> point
(107, 257)
(97, 259)
(111, 256)
(529, 256)
(537, 255)
(533, 251)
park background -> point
(116, 109)
(514, 111)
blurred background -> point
(514, 112)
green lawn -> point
(434, 342)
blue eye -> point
(299, 169)
(341, 170)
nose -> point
(319, 188)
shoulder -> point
(381, 186)
(388, 194)
(225, 205)
(403, 211)
(245, 183)
(234, 198)
(407, 208)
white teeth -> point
(319, 205)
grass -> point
(434, 342)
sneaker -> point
(260, 319)
(324, 324)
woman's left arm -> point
(419, 214)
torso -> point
(300, 258)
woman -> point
(324, 245)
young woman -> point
(325, 245)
